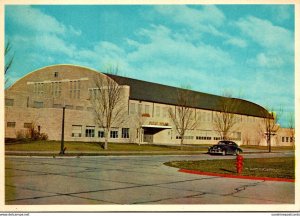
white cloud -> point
(35, 20)
(54, 44)
(265, 60)
(266, 34)
(175, 50)
(203, 20)
(236, 42)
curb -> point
(235, 176)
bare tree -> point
(271, 125)
(108, 104)
(183, 116)
(8, 59)
(225, 120)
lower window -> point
(90, 131)
(101, 134)
(113, 134)
(76, 130)
(125, 132)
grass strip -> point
(279, 167)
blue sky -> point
(247, 50)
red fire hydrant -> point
(239, 164)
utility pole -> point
(62, 149)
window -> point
(139, 108)
(204, 138)
(38, 88)
(157, 111)
(11, 124)
(147, 109)
(55, 74)
(282, 139)
(113, 134)
(287, 139)
(27, 125)
(56, 89)
(125, 132)
(291, 139)
(90, 131)
(69, 107)
(132, 108)
(94, 93)
(9, 102)
(76, 130)
(75, 89)
(165, 111)
(101, 134)
(38, 104)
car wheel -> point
(223, 152)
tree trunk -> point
(181, 143)
(106, 139)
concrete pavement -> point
(130, 180)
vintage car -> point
(224, 148)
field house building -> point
(38, 98)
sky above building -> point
(247, 50)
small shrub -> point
(43, 136)
(31, 134)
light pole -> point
(62, 149)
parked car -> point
(224, 148)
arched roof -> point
(154, 92)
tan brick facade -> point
(39, 97)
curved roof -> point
(154, 92)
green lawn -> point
(281, 167)
(93, 147)
(266, 147)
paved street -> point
(131, 180)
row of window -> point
(90, 131)
(203, 138)
(55, 88)
(287, 139)
(159, 111)
(13, 125)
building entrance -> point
(151, 130)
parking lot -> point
(130, 180)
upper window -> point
(147, 109)
(157, 111)
(9, 102)
(55, 74)
(56, 89)
(132, 108)
(38, 88)
(75, 89)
